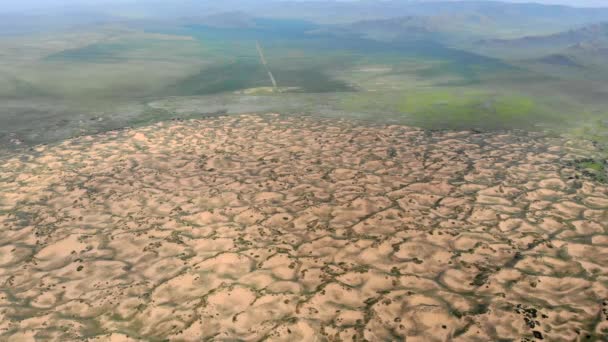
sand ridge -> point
(261, 227)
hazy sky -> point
(12, 5)
(576, 3)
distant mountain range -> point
(513, 14)
(591, 35)
(480, 18)
(590, 48)
(576, 48)
(571, 48)
(415, 28)
(318, 11)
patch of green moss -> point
(592, 165)
(593, 168)
(455, 109)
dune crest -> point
(301, 229)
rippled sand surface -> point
(299, 229)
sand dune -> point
(300, 229)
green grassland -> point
(106, 78)
(456, 108)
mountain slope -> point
(596, 33)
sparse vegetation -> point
(472, 206)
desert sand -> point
(264, 227)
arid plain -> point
(265, 227)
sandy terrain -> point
(299, 229)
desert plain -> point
(267, 227)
